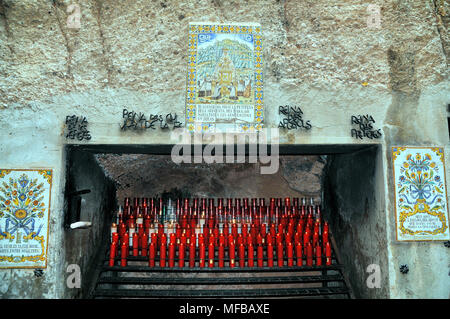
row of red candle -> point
(221, 202)
(192, 217)
(288, 227)
(213, 220)
(140, 241)
(254, 236)
(312, 256)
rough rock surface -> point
(138, 175)
(318, 54)
(141, 45)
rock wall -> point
(86, 247)
(319, 55)
(139, 175)
(354, 206)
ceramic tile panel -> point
(224, 78)
(24, 217)
(420, 193)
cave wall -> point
(319, 55)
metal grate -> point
(138, 280)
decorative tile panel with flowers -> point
(224, 77)
(420, 194)
(24, 217)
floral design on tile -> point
(420, 193)
(24, 215)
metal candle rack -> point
(171, 249)
(211, 236)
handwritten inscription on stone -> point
(364, 124)
(293, 118)
(138, 121)
(77, 128)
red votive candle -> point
(211, 254)
(231, 253)
(221, 255)
(164, 239)
(253, 233)
(245, 229)
(112, 253)
(269, 254)
(241, 256)
(250, 255)
(162, 255)
(249, 240)
(135, 244)
(259, 240)
(140, 230)
(221, 239)
(144, 244)
(325, 238)
(122, 229)
(192, 254)
(290, 228)
(327, 254)
(225, 230)
(201, 239)
(193, 240)
(212, 239)
(306, 240)
(326, 227)
(181, 251)
(316, 226)
(270, 238)
(300, 227)
(309, 254)
(315, 239)
(178, 231)
(280, 228)
(171, 255)
(234, 230)
(189, 231)
(288, 237)
(280, 254)
(113, 229)
(245, 235)
(290, 254)
(115, 239)
(147, 222)
(240, 240)
(154, 238)
(272, 231)
(152, 254)
(123, 254)
(263, 230)
(126, 239)
(160, 230)
(173, 238)
(130, 221)
(299, 254)
(297, 239)
(259, 254)
(183, 239)
(318, 255)
(202, 255)
(216, 235)
(230, 239)
(279, 239)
